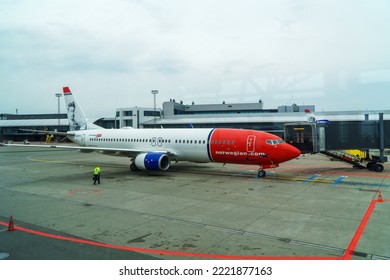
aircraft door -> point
(82, 140)
(251, 143)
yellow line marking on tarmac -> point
(71, 163)
(300, 179)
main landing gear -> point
(133, 167)
(261, 173)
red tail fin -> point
(66, 90)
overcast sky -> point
(334, 54)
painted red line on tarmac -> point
(355, 240)
(172, 253)
(347, 256)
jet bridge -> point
(332, 137)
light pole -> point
(58, 95)
(154, 92)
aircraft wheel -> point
(378, 167)
(261, 173)
(133, 167)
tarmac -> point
(308, 208)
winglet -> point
(66, 90)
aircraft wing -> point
(109, 151)
(48, 132)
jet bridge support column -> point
(381, 137)
(376, 162)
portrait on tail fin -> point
(76, 116)
(73, 124)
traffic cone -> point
(380, 199)
(11, 224)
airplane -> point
(156, 149)
(312, 118)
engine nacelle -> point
(152, 161)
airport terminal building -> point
(353, 128)
(228, 115)
(173, 115)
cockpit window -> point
(274, 142)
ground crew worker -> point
(96, 175)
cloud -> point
(189, 49)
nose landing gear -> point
(261, 173)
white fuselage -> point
(186, 144)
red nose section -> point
(291, 152)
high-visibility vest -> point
(96, 171)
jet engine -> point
(152, 161)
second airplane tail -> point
(77, 118)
